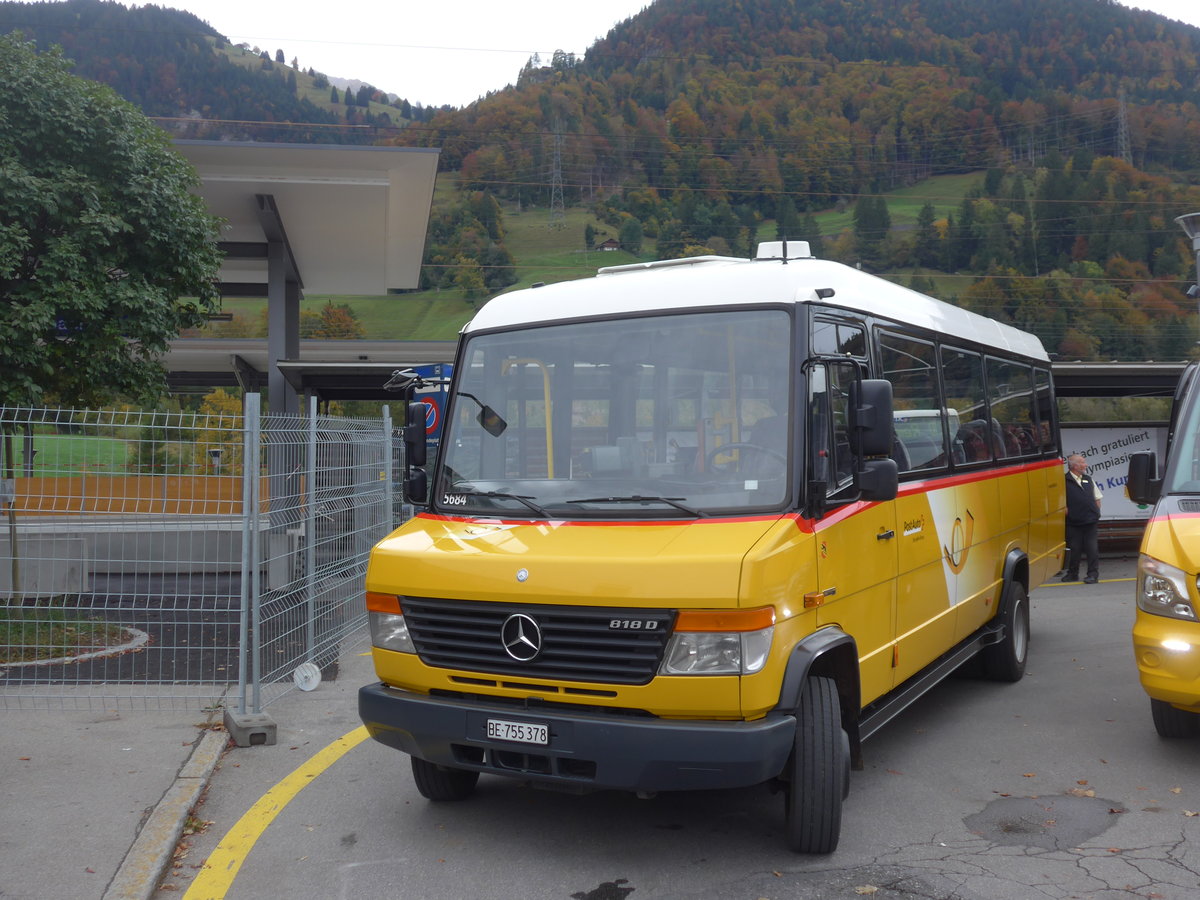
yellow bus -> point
(1166, 628)
(675, 539)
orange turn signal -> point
(726, 620)
(383, 603)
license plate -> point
(520, 732)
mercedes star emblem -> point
(521, 637)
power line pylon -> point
(558, 211)
(1123, 150)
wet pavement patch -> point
(609, 890)
(1051, 823)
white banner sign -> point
(1106, 449)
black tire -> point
(440, 783)
(1170, 722)
(819, 771)
(1005, 661)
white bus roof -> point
(709, 281)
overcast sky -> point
(454, 52)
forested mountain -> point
(821, 98)
(182, 71)
(706, 125)
(698, 122)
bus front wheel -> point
(819, 773)
(442, 783)
(1171, 722)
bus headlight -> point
(1162, 590)
(730, 642)
(389, 631)
(717, 653)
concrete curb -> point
(152, 851)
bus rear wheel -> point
(819, 771)
(1005, 661)
(1170, 722)
(439, 783)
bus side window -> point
(962, 375)
(918, 419)
(1010, 398)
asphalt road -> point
(1054, 787)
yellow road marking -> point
(215, 879)
(1057, 583)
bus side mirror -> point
(1142, 482)
(871, 412)
(416, 487)
(877, 480)
(414, 435)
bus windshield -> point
(1183, 468)
(659, 416)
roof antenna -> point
(785, 251)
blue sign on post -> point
(434, 397)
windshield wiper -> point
(500, 495)
(637, 498)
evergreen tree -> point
(787, 222)
(926, 248)
(811, 231)
(872, 221)
(631, 235)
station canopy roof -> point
(354, 217)
(351, 221)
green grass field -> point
(945, 192)
(70, 453)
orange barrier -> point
(176, 495)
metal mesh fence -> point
(160, 560)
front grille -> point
(578, 644)
(1189, 506)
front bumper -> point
(586, 751)
(1167, 652)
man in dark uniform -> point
(1083, 519)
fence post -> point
(310, 532)
(389, 492)
(250, 727)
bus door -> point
(855, 541)
(926, 589)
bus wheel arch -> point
(828, 653)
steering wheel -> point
(735, 465)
